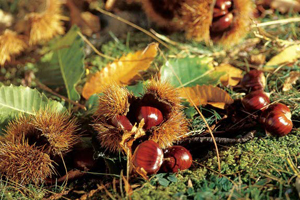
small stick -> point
(219, 140)
(44, 87)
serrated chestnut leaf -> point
(222, 23)
(278, 124)
(152, 116)
(122, 122)
(176, 158)
(255, 100)
(254, 80)
(149, 156)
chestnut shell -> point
(255, 100)
(176, 158)
(149, 156)
(278, 124)
(254, 80)
(152, 116)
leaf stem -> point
(44, 87)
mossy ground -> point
(263, 168)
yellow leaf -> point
(288, 55)
(232, 77)
(122, 71)
(292, 79)
(206, 94)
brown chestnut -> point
(149, 156)
(255, 100)
(122, 122)
(223, 4)
(222, 23)
(278, 124)
(218, 12)
(254, 80)
(275, 108)
(151, 115)
(176, 158)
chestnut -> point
(222, 23)
(122, 122)
(149, 156)
(255, 100)
(223, 4)
(278, 124)
(275, 108)
(151, 115)
(176, 158)
(254, 80)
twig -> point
(219, 140)
(277, 22)
(133, 25)
(44, 87)
(94, 48)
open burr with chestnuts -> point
(124, 121)
(224, 22)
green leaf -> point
(15, 100)
(163, 182)
(190, 71)
(137, 89)
(63, 66)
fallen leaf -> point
(288, 55)
(258, 59)
(206, 94)
(292, 79)
(232, 77)
(127, 186)
(122, 71)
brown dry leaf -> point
(285, 5)
(233, 75)
(122, 71)
(292, 79)
(206, 94)
(288, 55)
(127, 186)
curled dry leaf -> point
(232, 77)
(288, 55)
(206, 94)
(292, 79)
(122, 71)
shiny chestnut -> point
(176, 158)
(223, 4)
(149, 156)
(275, 108)
(122, 122)
(255, 100)
(254, 80)
(222, 23)
(278, 124)
(152, 116)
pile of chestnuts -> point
(151, 158)
(275, 118)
